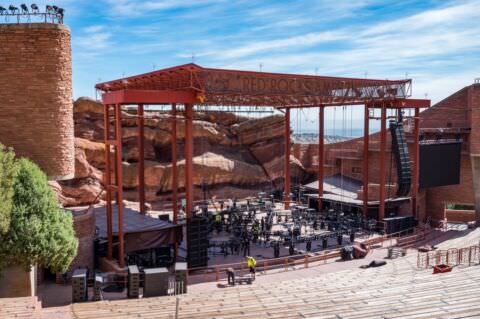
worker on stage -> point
(252, 263)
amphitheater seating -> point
(23, 307)
(396, 290)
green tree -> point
(40, 231)
(7, 178)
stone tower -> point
(36, 95)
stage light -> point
(34, 8)
(24, 8)
(13, 9)
(60, 14)
(2, 11)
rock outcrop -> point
(232, 155)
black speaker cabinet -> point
(156, 282)
(80, 285)
(133, 289)
(197, 242)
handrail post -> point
(286, 263)
(306, 261)
(469, 256)
(217, 275)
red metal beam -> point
(118, 176)
(366, 140)
(141, 159)
(189, 159)
(394, 104)
(416, 154)
(383, 145)
(174, 164)
(108, 178)
(150, 97)
(321, 154)
(286, 170)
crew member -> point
(218, 222)
(252, 263)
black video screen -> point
(440, 164)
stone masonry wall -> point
(36, 95)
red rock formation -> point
(232, 155)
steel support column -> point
(416, 154)
(366, 140)
(141, 159)
(321, 154)
(119, 182)
(108, 178)
(174, 164)
(189, 159)
(383, 145)
(286, 171)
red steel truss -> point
(192, 84)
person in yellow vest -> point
(252, 263)
(218, 223)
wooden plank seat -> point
(396, 290)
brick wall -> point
(462, 216)
(84, 225)
(36, 95)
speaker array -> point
(197, 242)
(400, 150)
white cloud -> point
(431, 43)
(134, 8)
(94, 29)
(94, 41)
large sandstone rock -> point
(88, 105)
(258, 130)
(232, 154)
(210, 168)
(78, 192)
(275, 169)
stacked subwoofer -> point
(197, 242)
(80, 285)
(133, 290)
(156, 282)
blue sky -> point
(436, 43)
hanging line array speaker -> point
(400, 150)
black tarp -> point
(140, 231)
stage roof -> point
(209, 86)
(339, 185)
(141, 231)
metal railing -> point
(17, 15)
(466, 256)
(290, 262)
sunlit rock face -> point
(234, 156)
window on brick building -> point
(455, 206)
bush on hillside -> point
(40, 231)
(7, 178)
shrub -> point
(40, 231)
(7, 178)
